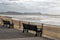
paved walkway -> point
(12, 34)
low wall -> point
(52, 31)
(17, 24)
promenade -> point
(13, 34)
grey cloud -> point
(44, 7)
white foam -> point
(15, 19)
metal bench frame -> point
(33, 28)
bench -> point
(27, 27)
(7, 23)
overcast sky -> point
(43, 6)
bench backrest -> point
(30, 27)
(6, 22)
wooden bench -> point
(27, 27)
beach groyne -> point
(48, 30)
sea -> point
(44, 19)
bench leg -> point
(41, 34)
(27, 30)
(36, 34)
(23, 30)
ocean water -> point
(52, 20)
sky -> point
(40, 6)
